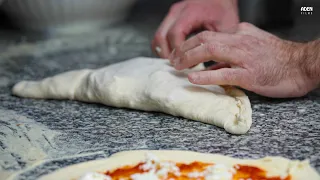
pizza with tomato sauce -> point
(185, 165)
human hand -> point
(258, 61)
(188, 16)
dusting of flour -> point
(23, 141)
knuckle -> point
(177, 28)
(245, 25)
(186, 57)
(223, 49)
(235, 77)
(210, 49)
(158, 37)
(173, 32)
(245, 38)
(227, 76)
(202, 37)
(175, 7)
(251, 45)
(188, 7)
(206, 78)
(247, 43)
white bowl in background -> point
(65, 15)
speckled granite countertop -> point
(40, 136)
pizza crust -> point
(275, 166)
(148, 84)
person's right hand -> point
(252, 59)
(191, 15)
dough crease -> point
(148, 84)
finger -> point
(160, 50)
(184, 25)
(172, 56)
(203, 53)
(160, 44)
(245, 28)
(228, 24)
(205, 37)
(228, 28)
(225, 76)
(218, 66)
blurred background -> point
(34, 20)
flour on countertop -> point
(25, 143)
(23, 140)
(4, 81)
(87, 40)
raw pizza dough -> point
(148, 84)
(274, 166)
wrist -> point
(309, 61)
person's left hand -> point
(188, 16)
(259, 61)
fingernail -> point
(158, 49)
(176, 62)
(171, 56)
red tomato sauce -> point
(242, 172)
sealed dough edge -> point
(243, 120)
(275, 166)
(148, 84)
